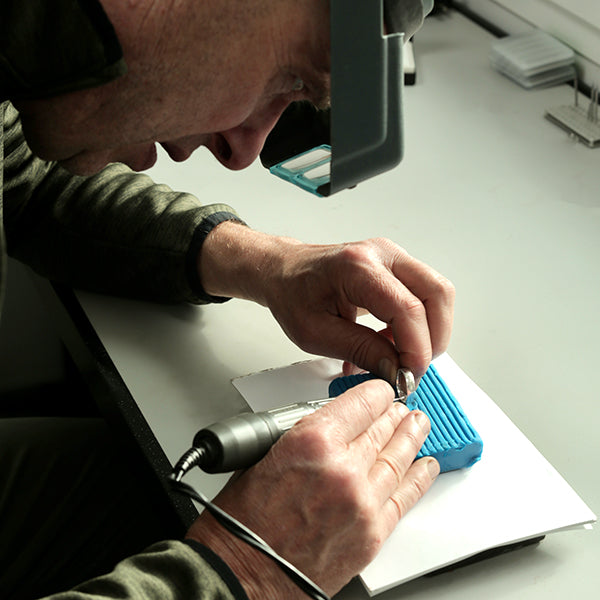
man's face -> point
(193, 81)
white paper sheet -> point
(511, 494)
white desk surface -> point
(493, 196)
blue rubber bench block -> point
(453, 441)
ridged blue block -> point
(453, 441)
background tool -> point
(577, 120)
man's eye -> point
(298, 85)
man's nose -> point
(237, 148)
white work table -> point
(493, 196)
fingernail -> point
(433, 467)
(423, 421)
(387, 370)
(400, 406)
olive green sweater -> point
(115, 232)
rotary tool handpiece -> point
(241, 441)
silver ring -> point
(405, 384)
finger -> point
(355, 411)
(417, 480)
(388, 299)
(436, 293)
(349, 368)
(368, 446)
(396, 458)
(362, 348)
(413, 299)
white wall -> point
(588, 10)
(575, 22)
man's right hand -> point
(327, 495)
(316, 291)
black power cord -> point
(311, 589)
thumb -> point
(362, 349)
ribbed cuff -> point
(191, 265)
(217, 563)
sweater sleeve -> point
(116, 232)
(167, 570)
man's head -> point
(217, 73)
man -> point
(100, 83)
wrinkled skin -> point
(327, 495)
(316, 291)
